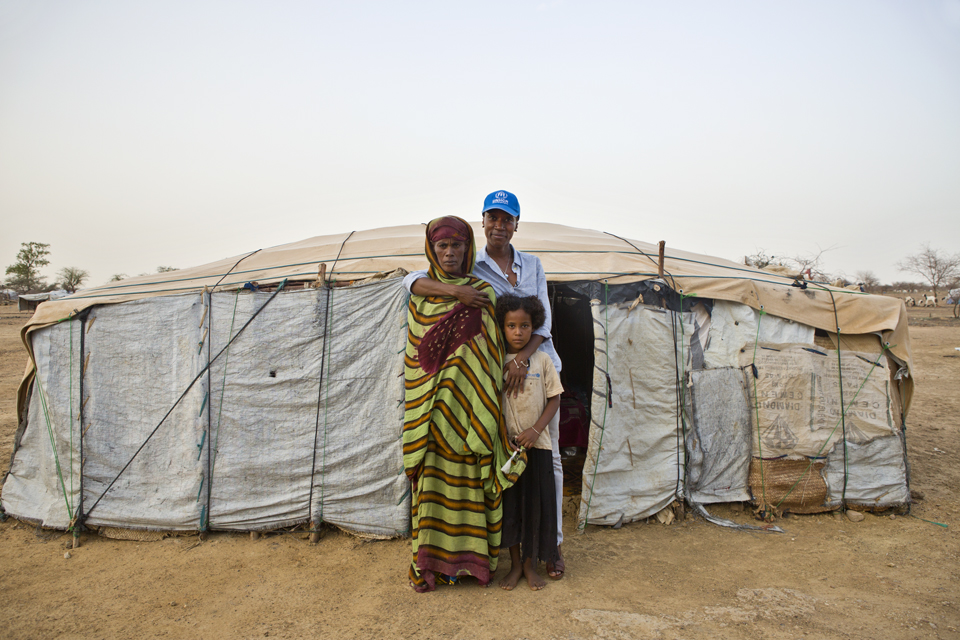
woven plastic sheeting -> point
(733, 325)
(264, 407)
(312, 387)
(298, 420)
(143, 355)
(635, 454)
(718, 440)
(798, 399)
(33, 489)
(876, 474)
(359, 483)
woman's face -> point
(498, 227)
(450, 254)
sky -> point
(142, 134)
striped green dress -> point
(454, 439)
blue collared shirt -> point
(531, 281)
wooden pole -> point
(663, 243)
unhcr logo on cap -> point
(503, 200)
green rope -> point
(53, 445)
(603, 424)
(843, 411)
(756, 404)
(939, 524)
(223, 385)
(70, 378)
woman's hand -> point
(527, 438)
(466, 294)
(515, 377)
(471, 297)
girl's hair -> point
(530, 304)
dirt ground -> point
(826, 577)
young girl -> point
(530, 506)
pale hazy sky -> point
(139, 134)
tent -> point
(30, 301)
(265, 390)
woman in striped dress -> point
(454, 439)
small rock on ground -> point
(855, 516)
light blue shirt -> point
(531, 281)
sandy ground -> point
(826, 577)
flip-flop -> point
(555, 569)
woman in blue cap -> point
(508, 271)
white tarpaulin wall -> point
(718, 438)
(261, 441)
(33, 486)
(142, 357)
(634, 462)
(734, 326)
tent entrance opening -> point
(573, 338)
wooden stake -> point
(663, 243)
(321, 273)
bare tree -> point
(809, 265)
(72, 277)
(932, 265)
(117, 277)
(869, 279)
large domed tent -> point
(265, 390)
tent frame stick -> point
(78, 519)
(205, 517)
(315, 523)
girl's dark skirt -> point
(530, 510)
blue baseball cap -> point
(503, 200)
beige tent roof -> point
(568, 254)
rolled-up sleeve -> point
(412, 277)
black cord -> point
(316, 432)
(342, 245)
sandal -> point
(555, 569)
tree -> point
(937, 268)
(162, 269)
(25, 272)
(71, 278)
(117, 277)
(810, 266)
(869, 279)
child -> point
(530, 505)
